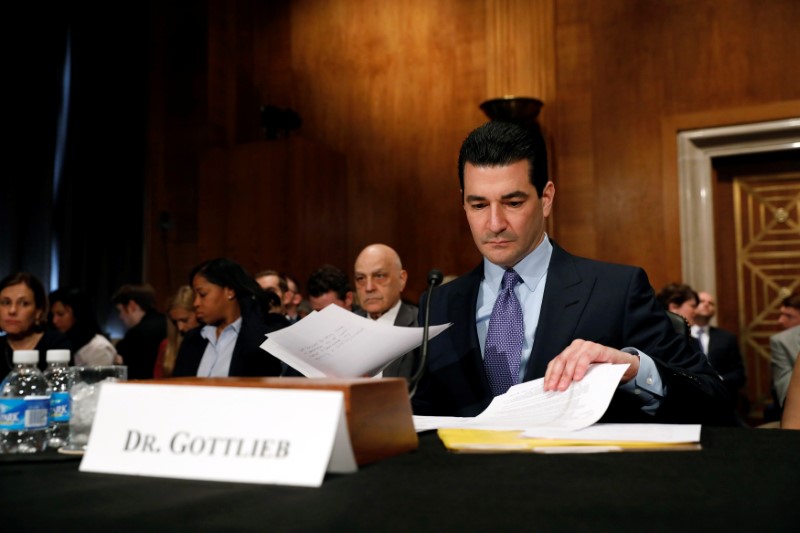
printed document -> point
(527, 405)
(335, 342)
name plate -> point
(249, 435)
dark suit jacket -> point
(725, 357)
(248, 359)
(139, 347)
(609, 304)
(405, 365)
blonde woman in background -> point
(182, 318)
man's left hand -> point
(572, 364)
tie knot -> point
(510, 279)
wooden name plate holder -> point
(378, 410)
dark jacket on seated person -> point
(248, 358)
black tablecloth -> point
(743, 479)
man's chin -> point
(505, 258)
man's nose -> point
(497, 219)
(370, 286)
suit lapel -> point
(463, 308)
(406, 316)
(565, 296)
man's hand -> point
(571, 364)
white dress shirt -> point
(216, 361)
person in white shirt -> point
(71, 315)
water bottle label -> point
(12, 414)
(59, 407)
(17, 414)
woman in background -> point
(680, 299)
(182, 319)
(72, 315)
(23, 312)
(235, 311)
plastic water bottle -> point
(58, 377)
(24, 406)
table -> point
(743, 479)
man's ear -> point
(348, 299)
(548, 194)
(403, 279)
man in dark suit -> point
(380, 280)
(532, 310)
(720, 346)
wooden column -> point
(520, 48)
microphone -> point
(435, 277)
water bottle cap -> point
(58, 356)
(26, 357)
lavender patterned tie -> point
(504, 337)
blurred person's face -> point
(183, 319)
(128, 314)
(18, 311)
(686, 309)
(296, 296)
(790, 317)
(706, 306)
(63, 317)
(272, 282)
(318, 303)
(213, 304)
(379, 281)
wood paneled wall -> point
(395, 86)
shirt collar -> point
(209, 332)
(389, 316)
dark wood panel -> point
(394, 87)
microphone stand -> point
(435, 277)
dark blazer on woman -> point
(248, 358)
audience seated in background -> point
(380, 280)
(791, 408)
(720, 346)
(329, 285)
(23, 319)
(146, 329)
(235, 311)
(182, 318)
(790, 311)
(72, 315)
(784, 346)
(272, 280)
(290, 305)
(303, 309)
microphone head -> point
(435, 277)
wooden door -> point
(757, 221)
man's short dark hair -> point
(282, 284)
(501, 144)
(328, 278)
(676, 293)
(143, 295)
(793, 300)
